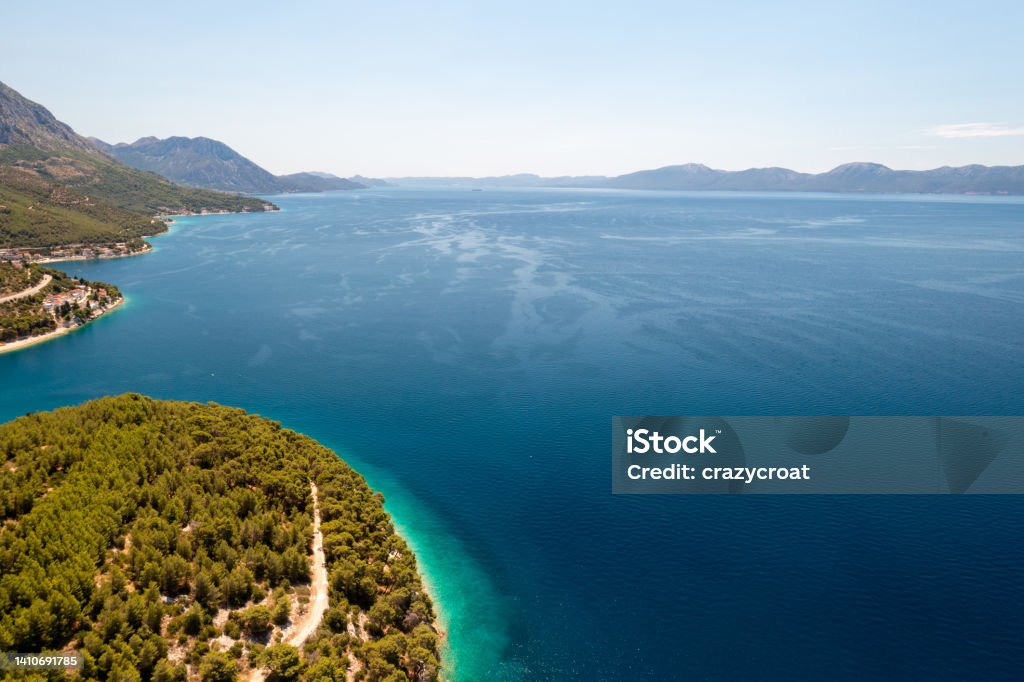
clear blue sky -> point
(446, 88)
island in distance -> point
(850, 177)
(211, 164)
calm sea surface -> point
(465, 351)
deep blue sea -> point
(466, 350)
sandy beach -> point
(60, 331)
(149, 247)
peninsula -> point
(200, 542)
(38, 304)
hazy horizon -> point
(458, 89)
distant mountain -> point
(851, 177)
(202, 162)
(195, 161)
(57, 187)
(316, 182)
(872, 177)
(690, 175)
(369, 182)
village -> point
(52, 305)
(74, 252)
(81, 298)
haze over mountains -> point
(202, 162)
(850, 177)
(57, 186)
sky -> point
(388, 89)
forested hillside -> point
(170, 541)
(35, 212)
(57, 187)
(102, 177)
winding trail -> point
(27, 292)
(306, 624)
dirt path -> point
(307, 623)
(27, 292)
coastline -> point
(67, 259)
(169, 217)
(440, 560)
(434, 582)
(29, 341)
(428, 541)
(455, 583)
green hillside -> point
(57, 187)
(104, 178)
(169, 540)
(202, 162)
(36, 212)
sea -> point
(466, 350)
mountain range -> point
(57, 187)
(850, 177)
(202, 162)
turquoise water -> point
(465, 350)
